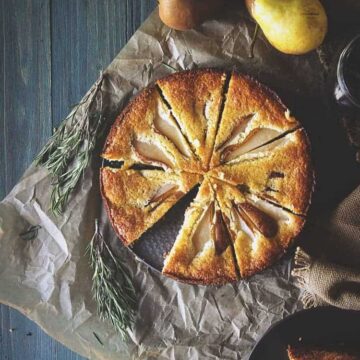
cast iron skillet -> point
(323, 326)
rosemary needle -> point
(169, 66)
(97, 337)
(112, 287)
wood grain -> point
(26, 83)
(90, 33)
(2, 119)
(51, 53)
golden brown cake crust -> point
(306, 353)
(236, 138)
(135, 108)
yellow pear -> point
(291, 26)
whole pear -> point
(187, 14)
(291, 26)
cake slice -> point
(147, 133)
(282, 175)
(137, 199)
(195, 99)
(261, 232)
(252, 116)
(202, 252)
(306, 353)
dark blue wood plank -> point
(26, 125)
(49, 47)
(2, 120)
(27, 83)
(22, 339)
(86, 36)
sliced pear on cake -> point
(146, 133)
(252, 116)
(202, 252)
(137, 199)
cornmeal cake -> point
(306, 353)
(234, 138)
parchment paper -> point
(49, 280)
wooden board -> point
(51, 53)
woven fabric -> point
(351, 123)
(334, 279)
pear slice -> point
(258, 219)
(243, 227)
(275, 212)
(259, 231)
(166, 125)
(152, 154)
(211, 227)
(245, 97)
(163, 193)
(254, 140)
(201, 253)
(238, 130)
(207, 110)
(222, 237)
(137, 199)
(203, 232)
(271, 145)
(287, 170)
(148, 119)
(254, 251)
(195, 99)
(288, 224)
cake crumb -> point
(197, 142)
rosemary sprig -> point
(112, 287)
(69, 150)
(168, 66)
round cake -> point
(233, 138)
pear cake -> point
(232, 137)
(308, 353)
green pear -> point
(291, 26)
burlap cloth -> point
(351, 122)
(332, 274)
(327, 265)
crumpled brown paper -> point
(48, 278)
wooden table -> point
(51, 53)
